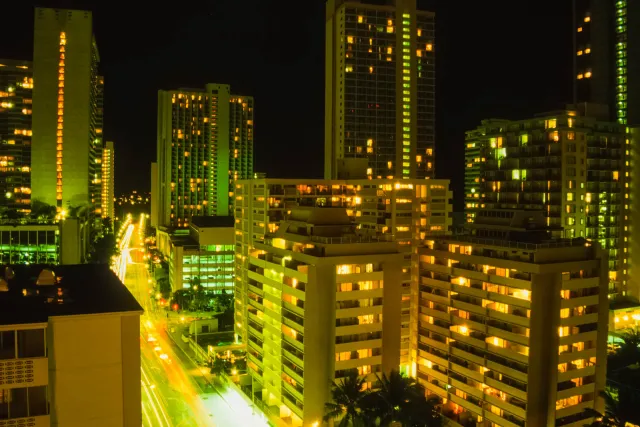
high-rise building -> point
(97, 197)
(322, 300)
(16, 100)
(606, 61)
(403, 210)
(65, 151)
(108, 180)
(379, 90)
(205, 141)
(573, 167)
(513, 324)
(154, 208)
(69, 348)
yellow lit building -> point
(205, 142)
(16, 108)
(379, 90)
(405, 210)
(512, 324)
(67, 145)
(108, 178)
(69, 348)
(321, 301)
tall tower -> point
(205, 139)
(240, 139)
(379, 90)
(607, 57)
(65, 152)
(16, 84)
(98, 146)
(107, 173)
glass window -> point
(37, 401)
(7, 345)
(31, 343)
(18, 403)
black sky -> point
(496, 58)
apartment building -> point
(321, 301)
(513, 324)
(69, 348)
(16, 107)
(379, 90)
(574, 167)
(404, 210)
(205, 142)
(67, 145)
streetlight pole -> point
(195, 321)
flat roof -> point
(86, 289)
(212, 221)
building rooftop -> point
(33, 293)
(183, 240)
(212, 221)
(524, 241)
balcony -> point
(36, 421)
(16, 373)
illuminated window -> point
(579, 29)
(587, 19)
(429, 47)
(349, 39)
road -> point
(175, 391)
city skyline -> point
(132, 124)
(382, 293)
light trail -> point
(154, 398)
(172, 391)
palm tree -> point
(613, 413)
(628, 353)
(347, 396)
(399, 394)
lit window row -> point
(60, 131)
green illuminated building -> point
(16, 101)
(205, 141)
(33, 244)
(203, 255)
(44, 241)
(574, 168)
(379, 90)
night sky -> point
(501, 58)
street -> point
(175, 391)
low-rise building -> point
(321, 301)
(203, 255)
(69, 348)
(513, 324)
(44, 242)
